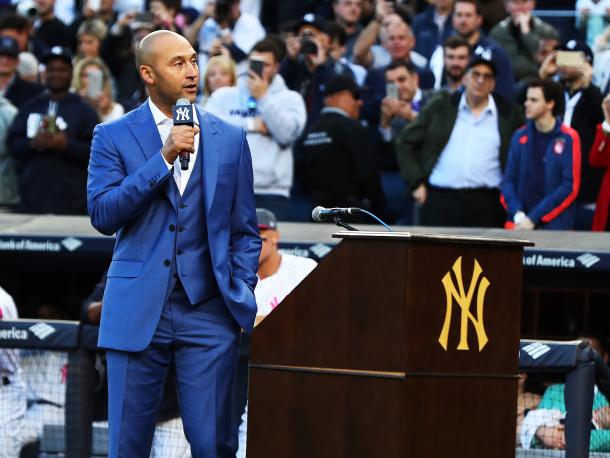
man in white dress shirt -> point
(453, 153)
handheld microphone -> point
(321, 214)
(182, 114)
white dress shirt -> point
(164, 125)
(471, 158)
(571, 103)
(9, 358)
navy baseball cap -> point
(312, 20)
(483, 56)
(57, 52)
(342, 83)
(266, 219)
(8, 46)
(575, 45)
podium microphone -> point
(322, 215)
(182, 114)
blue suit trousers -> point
(202, 342)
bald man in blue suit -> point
(181, 281)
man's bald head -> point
(154, 41)
(167, 64)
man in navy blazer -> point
(181, 281)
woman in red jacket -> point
(600, 157)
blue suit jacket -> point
(127, 195)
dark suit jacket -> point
(587, 115)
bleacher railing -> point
(61, 375)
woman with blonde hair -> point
(219, 72)
(92, 81)
(89, 37)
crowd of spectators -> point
(432, 112)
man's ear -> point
(147, 74)
(274, 238)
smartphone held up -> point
(256, 65)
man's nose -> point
(193, 71)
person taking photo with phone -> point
(273, 116)
(92, 81)
(572, 66)
(404, 98)
(226, 27)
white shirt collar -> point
(418, 96)
(161, 118)
(491, 104)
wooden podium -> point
(396, 345)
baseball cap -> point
(576, 45)
(57, 52)
(9, 46)
(342, 83)
(483, 56)
(312, 20)
(266, 219)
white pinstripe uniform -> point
(12, 389)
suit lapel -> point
(211, 154)
(144, 130)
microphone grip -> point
(184, 161)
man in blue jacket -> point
(432, 27)
(542, 175)
(181, 281)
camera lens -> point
(27, 9)
(308, 46)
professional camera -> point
(308, 46)
(28, 9)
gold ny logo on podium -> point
(464, 301)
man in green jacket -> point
(453, 153)
(520, 35)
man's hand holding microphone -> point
(181, 138)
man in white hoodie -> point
(273, 116)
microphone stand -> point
(339, 222)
